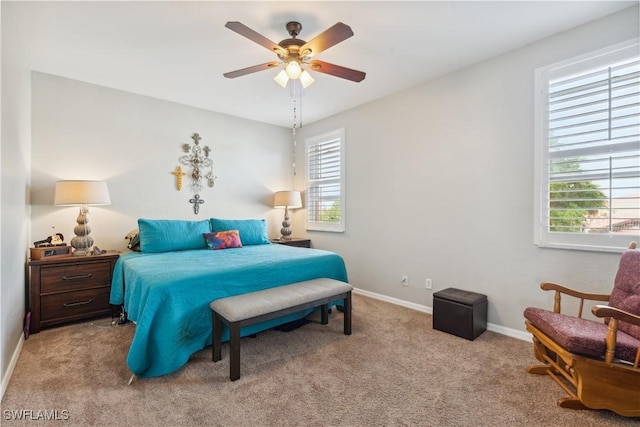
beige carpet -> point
(394, 370)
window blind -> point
(594, 151)
(325, 175)
(588, 150)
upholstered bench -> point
(246, 309)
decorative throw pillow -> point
(134, 240)
(165, 235)
(223, 239)
(251, 231)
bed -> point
(167, 292)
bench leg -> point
(216, 351)
(347, 314)
(324, 314)
(234, 349)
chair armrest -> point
(582, 296)
(550, 286)
(616, 313)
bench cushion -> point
(246, 306)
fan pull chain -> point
(295, 121)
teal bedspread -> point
(167, 295)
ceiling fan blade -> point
(247, 32)
(249, 70)
(337, 70)
(331, 37)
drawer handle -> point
(79, 276)
(73, 304)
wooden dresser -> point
(67, 289)
(294, 241)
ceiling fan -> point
(295, 54)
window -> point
(325, 182)
(588, 156)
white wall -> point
(84, 131)
(14, 191)
(440, 184)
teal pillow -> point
(165, 235)
(252, 231)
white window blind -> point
(325, 182)
(590, 151)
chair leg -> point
(347, 314)
(324, 314)
(234, 349)
(538, 369)
(570, 403)
(216, 352)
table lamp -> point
(81, 193)
(286, 200)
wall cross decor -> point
(179, 174)
(198, 160)
(197, 201)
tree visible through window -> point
(573, 204)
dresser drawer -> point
(72, 277)
(74, 304)
(68, 289)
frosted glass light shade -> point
(306, 79)
(282, 79)
(290, 199)
(73, 193)
(293, 69)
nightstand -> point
(66, 289)
(294, 241)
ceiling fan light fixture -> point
(293, 69)
(293, 53)
(306, 79)
(282, 79)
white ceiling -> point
(178, 51)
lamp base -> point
(285, 231)
(82, 243)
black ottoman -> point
(460, 313)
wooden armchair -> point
(595, 363)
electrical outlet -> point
(405, 281)
(428, 284)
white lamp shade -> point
(290, 199)
(71, 193)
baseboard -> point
(499, 329)
(12, 365)
(396, 301)
(513, 333)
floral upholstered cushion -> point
(223, 239)
(626, 292)
(580, 336)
